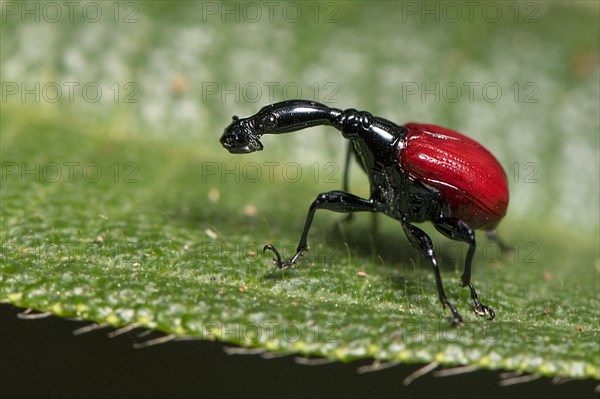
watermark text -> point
(70, 92)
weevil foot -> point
(278, 262)
(480, 308)
(457, 319)
(483, 310)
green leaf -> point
(160, 253)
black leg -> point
(493, 236)
(346, 186)
(346, 177)
(423, 242)
(459, 230)
(337, 201)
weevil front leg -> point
(337, 201)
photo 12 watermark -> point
(332, 172)
(92, 12)
(524, 172)
(451, 12)
(270, 331)
(70, 172)
(269, 172)
(440, 332)
(469, 91)
(290, 12)
(452, 253)
(70, 92)
(254, 92)
(217, 253)
(65, 252)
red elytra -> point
(469, 178)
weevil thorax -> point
(377, 141)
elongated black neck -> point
(371, 134)
(295, 115)
(243, 135)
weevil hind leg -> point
(346, 179)
(492, 235)
(458, 230)
(422, 241)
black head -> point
(241, 136)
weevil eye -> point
(235, 118)
(269, 122)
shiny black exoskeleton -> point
(381, 146)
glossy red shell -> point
(469, 178)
